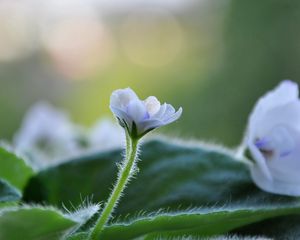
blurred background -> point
(212, 57)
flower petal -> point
(161, 111)
(122, 115)
(286, 92)
(286, 165)
(260, 161)
(152, 105)
(122, 97)
(288, 115)
(149, 124)
(170, 110)
(173, 117)
(136, 109)
(275, 186)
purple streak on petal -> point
(146, 116)
(285, 153)
(261, 143)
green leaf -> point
(8, 204)
(172, 176)
(221, 237)
(276, 228)
(84, 215)
(79, 236)
(33, 223)
(83, 236)
(14, 169)
(8, 193)
(205, 222)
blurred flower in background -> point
(106, 135)
(48, 137)
(46, 134)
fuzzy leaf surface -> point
(13, 169)
(173, 177)
(8, 193)
(33, 223)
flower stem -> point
(126, 172)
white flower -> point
(139, 117)
(273, 138)
(106, 135)
(46, 135)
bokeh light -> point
(77, 41)
(151, 37)
(79, 47)
(16, 31)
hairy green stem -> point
(126, 171)
(128, 145)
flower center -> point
(279, 142)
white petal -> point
(156, 123)
(152, 105)
(168, 114)
(288, 115)
(285, 92)
(161, 112)
(285, 165)
(122, 115)
(260, 161)
(170, 110)
(149, 124)
(274, 186)
(173, 117)
(136, 109)
(122, 97)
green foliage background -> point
(234, 51)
